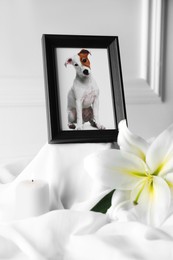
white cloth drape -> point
(70, 231)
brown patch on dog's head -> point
(83, 54)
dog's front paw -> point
(79, 127)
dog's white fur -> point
(83, 94)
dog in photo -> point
(83, 97)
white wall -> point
(22, 22)
(150, 119)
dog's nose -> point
(86, 72)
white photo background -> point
(100, 72)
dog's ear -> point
(68, 61)
(84, 52)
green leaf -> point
(104, 204)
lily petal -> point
(152, 199)
(169, 179)
(115, 168)
(119, 197)
(122, 209)
(159, 156)
(130, 142)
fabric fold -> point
(70, 231)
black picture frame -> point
(110, 44)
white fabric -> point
(70, 231)
(62, 167)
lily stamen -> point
(135, 202)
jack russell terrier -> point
(83, 97)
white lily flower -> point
(130, 142)
(146, 170)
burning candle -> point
(32, 198)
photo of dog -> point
(83, 97)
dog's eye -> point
(84, 60)
(76, 64)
